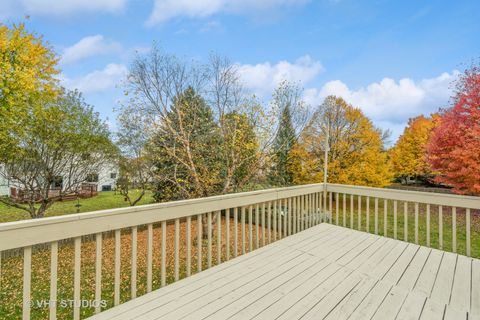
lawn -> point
(104, 200)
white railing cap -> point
(35, 231)
(442, 199)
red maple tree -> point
(454, 146)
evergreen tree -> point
(186, 150)
(289, 105)
(284, 141)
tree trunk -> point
(205, 224)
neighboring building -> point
(103, 180)
(106, 178)
(4, 187)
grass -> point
(104, 200)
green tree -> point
(241, 146)
(63, 141)
(291, 108)
(186, 150)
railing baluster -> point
(416, 222)
(235, 231)
(257, 226)
(330, 206)
(440, 227)
(320, 207)
(278, 205)
(299, 213)
(294, 215)
(53, 280)
(133, 280)
(27, 279)
(290, 217)
(209, 241)
(285, 224)
(176, 244)
(149, 256)
(359, 213)
(269, 219)
(454, 229)
(243, 230)
(117, 267)
(189, 246)
(304, 209)
(274, 220)
(428, 225)
(199, 242)
(467, 225)
(263, 224)
(385, 217)
(310, 210)
(250, 228)
(76, 278)
(98, 272)
(337, 205)
(163, 262)
(344, 210)
(405, 221)
(351, 211)
(227, 233)
(395, 204)
(376, 215)
(219, 237)
(368, 214)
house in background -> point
(103, 179)
(4, 186)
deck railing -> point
(64, 261)
(109, 257)
(443, 221)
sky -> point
(393, 59)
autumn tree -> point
(356, 154)
(63, 140)
(27, 75)
(409, 155)
(454, 146)
(287, 102)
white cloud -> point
(88, 47)
(391, 103)
(164, 10)
(16, 8)
(98, 80)
(262, 78)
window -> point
(57, 183)
(92, 177)
(113, 175)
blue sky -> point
(393, 59)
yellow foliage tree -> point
(356, 154)
(408, 156)
(27, 77)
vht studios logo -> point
(67, 303)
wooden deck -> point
(325, 272)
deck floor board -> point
(324, 272)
